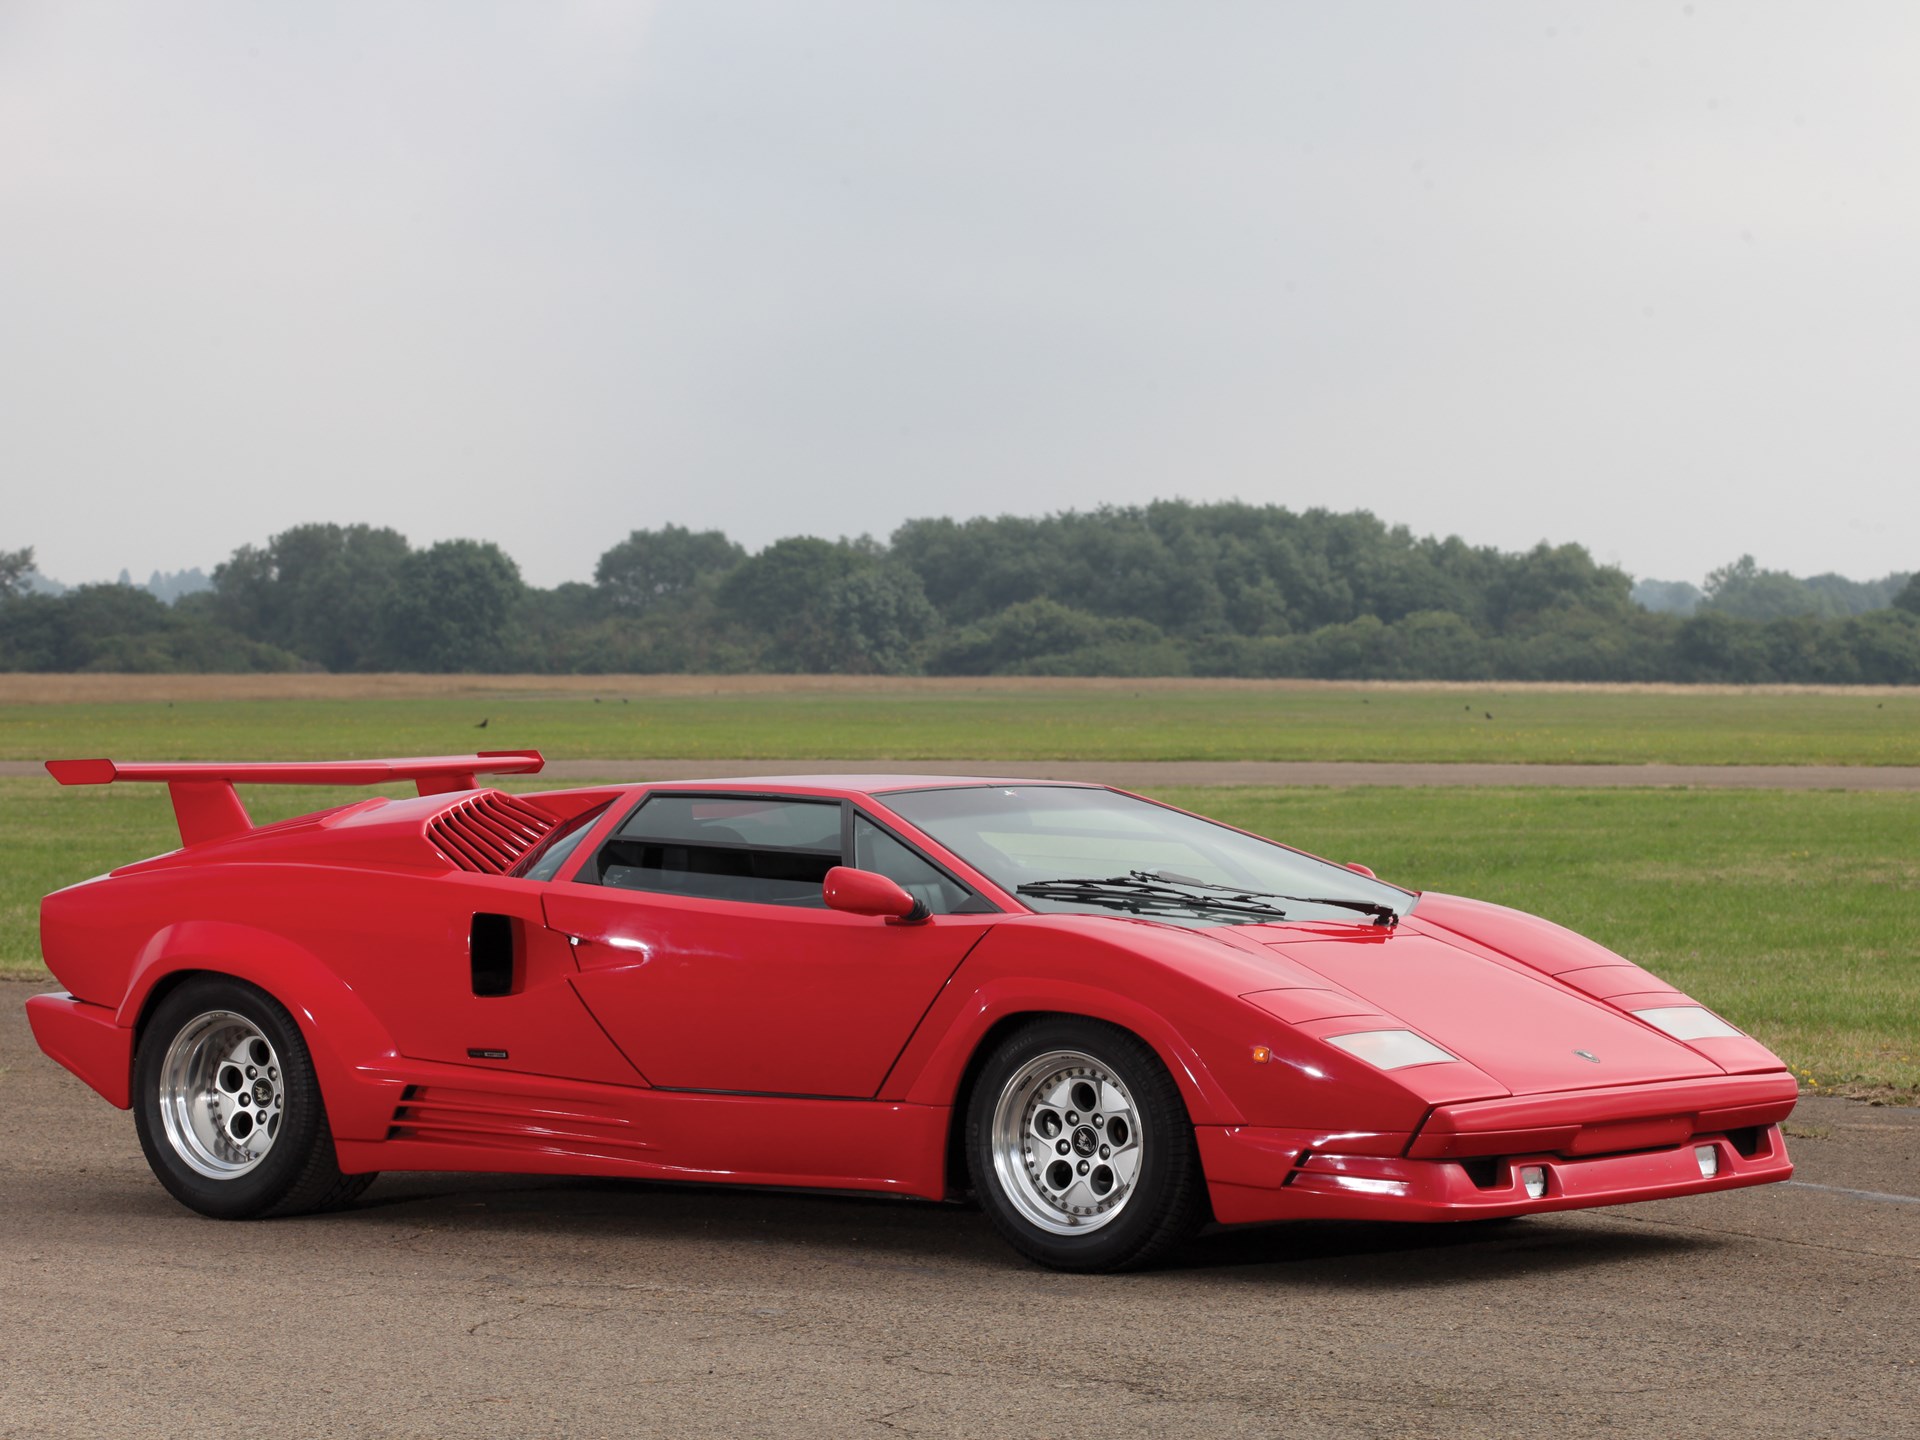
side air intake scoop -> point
(206, 807)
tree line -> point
(1748, 592)
(1170, 588)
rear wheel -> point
(227, 1107)
(1080, 1148)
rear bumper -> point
(1465, 1163)
(85, 1039)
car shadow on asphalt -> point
(1393, 1255)
(849, 1228)
(892, 1232)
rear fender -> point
(342, 1035)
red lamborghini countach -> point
(1108, 1019)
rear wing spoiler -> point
(206, 807)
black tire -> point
(178, 1059)
(1147, 1214)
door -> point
(707, 953)
(430, 983)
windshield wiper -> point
(1382, 914)
(1144, 896)
(1141, 890)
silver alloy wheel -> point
(1067, 1142)
(222, 1094)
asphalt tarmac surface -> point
(501, 1306)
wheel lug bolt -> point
(1105, 1152)
(1083, 1167)
(1099, 1120)
(1061, 1148)
(1072, 1118)
(251, 1072)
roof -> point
(857, 784)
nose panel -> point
(1529, 1033)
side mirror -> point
(1359, 869)
(861, 892)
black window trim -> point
(588, 870)
(585, 820)
(617, 838)
(972, 892)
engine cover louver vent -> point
(488, 832)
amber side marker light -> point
(1262, 1054)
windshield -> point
(1023, 836)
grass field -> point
(1797, 914)
(216, 717)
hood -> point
(1530, 1032)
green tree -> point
(1439, 645)
(777, 593)
(1554, 578)
(451, 608)
(875, 620)
(1019, 633)
(1201, 570)
(116, 627)
(1713, 645)
(654, 566)
(322, 591)
(15, 566)
(1909, 598)
(1885, 645)
(1044, 637)
(827, 606)
(1857, 597)
(82, 628)
(1746, 592)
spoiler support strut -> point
(207, 808)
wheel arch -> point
(990, 1038)
(945, 1050)
(951, 1065)
(341, 1033)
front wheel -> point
(228, 1109)
(1080, 1148)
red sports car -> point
(1109, 1019)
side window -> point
(543, 862)
(874, 849)
(766, 852)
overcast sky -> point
(1641, 276)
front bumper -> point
(1604, 1147)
